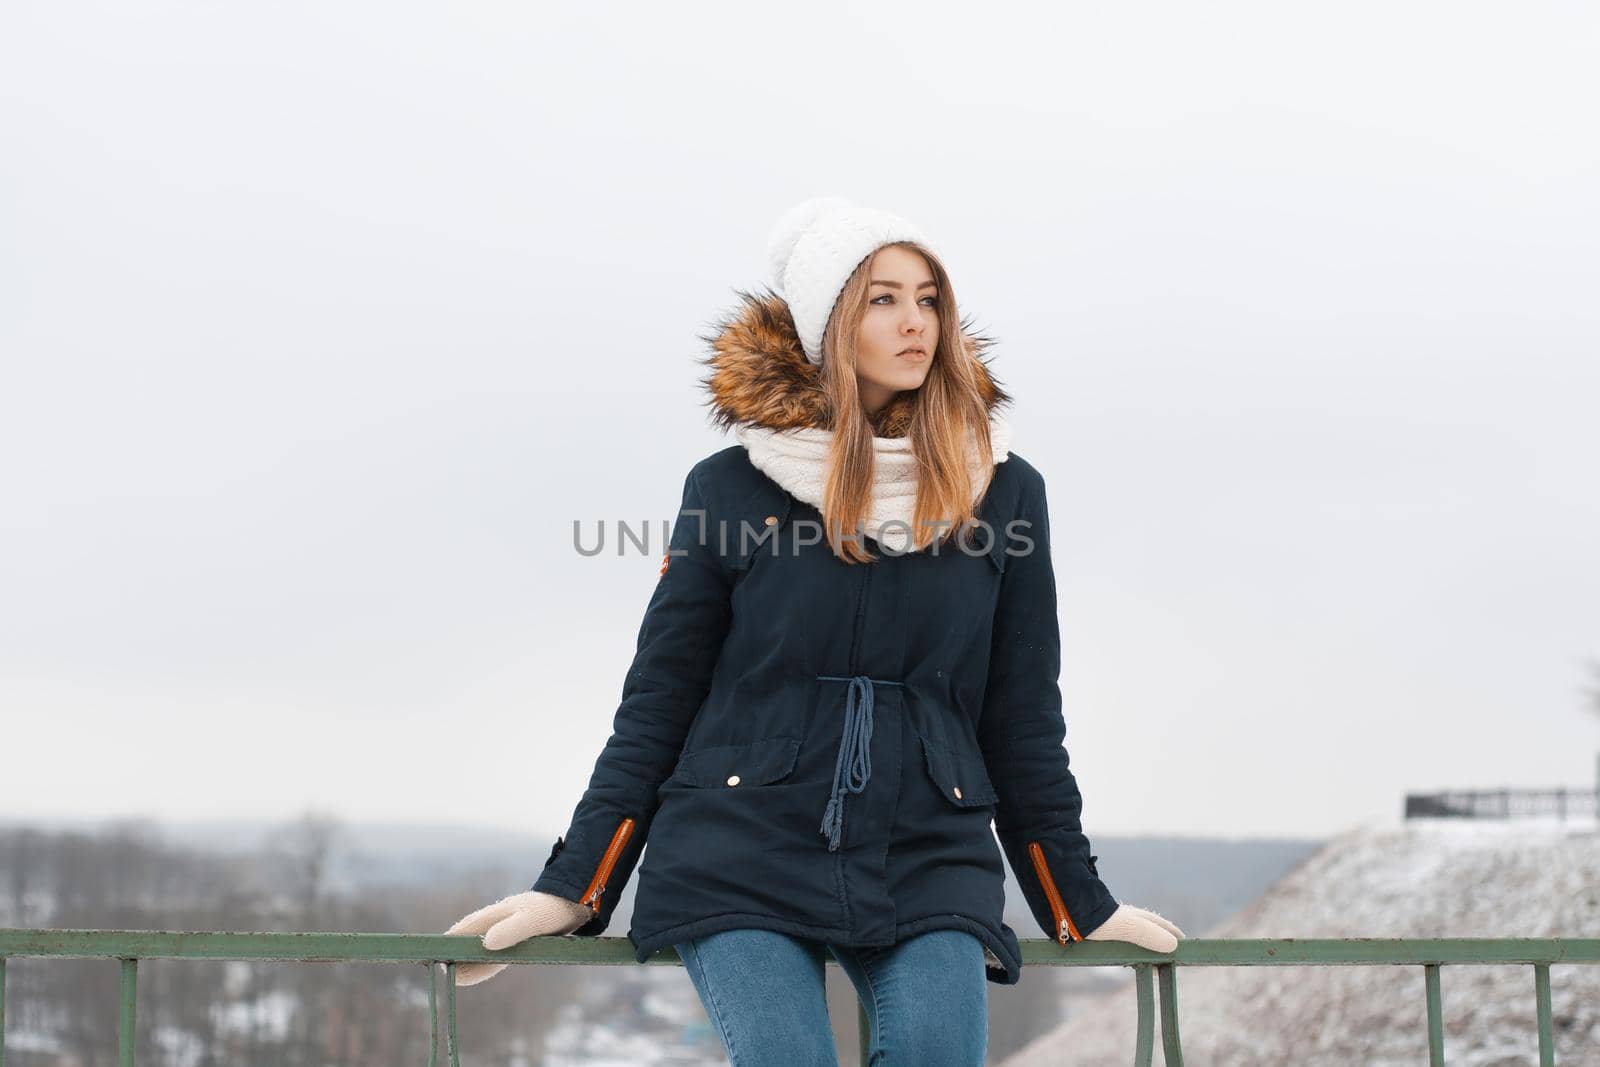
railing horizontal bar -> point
(1204, 952)
(592, 951)
(313, 947)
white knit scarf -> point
(797, 460)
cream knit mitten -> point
(513, 919)
(1137, 926)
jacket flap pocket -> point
(961, 777)
(755, 526)
(993, 535)
(750, 763)
(987, 540)
(997, 550)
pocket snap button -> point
(733, 779)
(957, 791)
(772, 520)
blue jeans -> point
(926, 998)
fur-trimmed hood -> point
(760, 375)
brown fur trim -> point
(760, 374)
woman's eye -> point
(889, 296)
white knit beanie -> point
(814, 248)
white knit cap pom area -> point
(814, 247)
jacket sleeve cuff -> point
(592, 862)
(1059, 881)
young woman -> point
(848, 668)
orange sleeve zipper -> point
(597, 884)
(1065, 930)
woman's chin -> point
(906, 376)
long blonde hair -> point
(945, 410)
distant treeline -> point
(63, 1013)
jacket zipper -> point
(1065, 930)
(597, 885)
(861, 611)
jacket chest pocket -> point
(959, 774)
(760, 762)
(757, 528)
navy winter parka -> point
(817, 747)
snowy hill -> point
(1429, 878)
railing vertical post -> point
(125, 1023)
(450, 1029)
(433, 1014)
(2, 1011)
(1430, 975)
(1144, 1044)
(1171, 1046)
(863, 1031)
(1541, 997)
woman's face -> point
(902, 314)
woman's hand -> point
(1143, 928)
(512, 919)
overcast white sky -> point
(321, 323)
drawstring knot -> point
(854, 751)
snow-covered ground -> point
(634, 1017)
(1428, 878)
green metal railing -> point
(1152, 970)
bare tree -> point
(18, 851)
(305, 848)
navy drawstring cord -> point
(854, 751)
